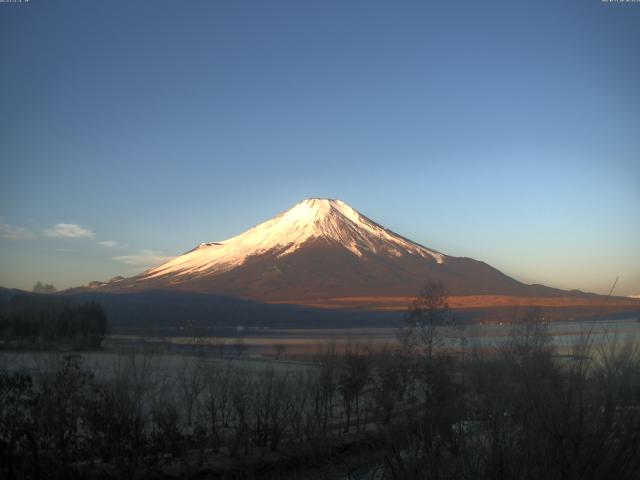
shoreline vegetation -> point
(50, 322)
(521, 408)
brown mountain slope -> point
(322, 250)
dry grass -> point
(386, 303)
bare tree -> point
(428, 315)
(327, 380)
(240, 347)
(216, 402)
(39, 287)
(388, 384)
(240, 400)
(190, 383)
(280, 349)
(351, 382)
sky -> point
(506, 131)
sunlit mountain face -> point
(320, 249)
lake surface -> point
(286, 349)
(287, 342)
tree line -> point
(29, 320)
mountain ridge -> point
(322, 249)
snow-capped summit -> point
(310, 220)
(320, 249)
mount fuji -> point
(319, 251)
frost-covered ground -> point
(111, 364)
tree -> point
(17, 426)
(39, 287)
(61, 410)
(240, 347)
(351, 383)
(53, 318)
(327, 382)
(190, 378)
(217, 399)
(388, 385)
(427, 315)
(280, 349)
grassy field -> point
(388, 303)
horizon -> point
(135, 131)
(168, 258)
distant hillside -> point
(176, 312)
(204, 313)
(7, 293)
(200, 311)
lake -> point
(296, 342)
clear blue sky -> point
(508, 131)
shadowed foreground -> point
(521, 411)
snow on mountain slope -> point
(320, 250)
(286, 233)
